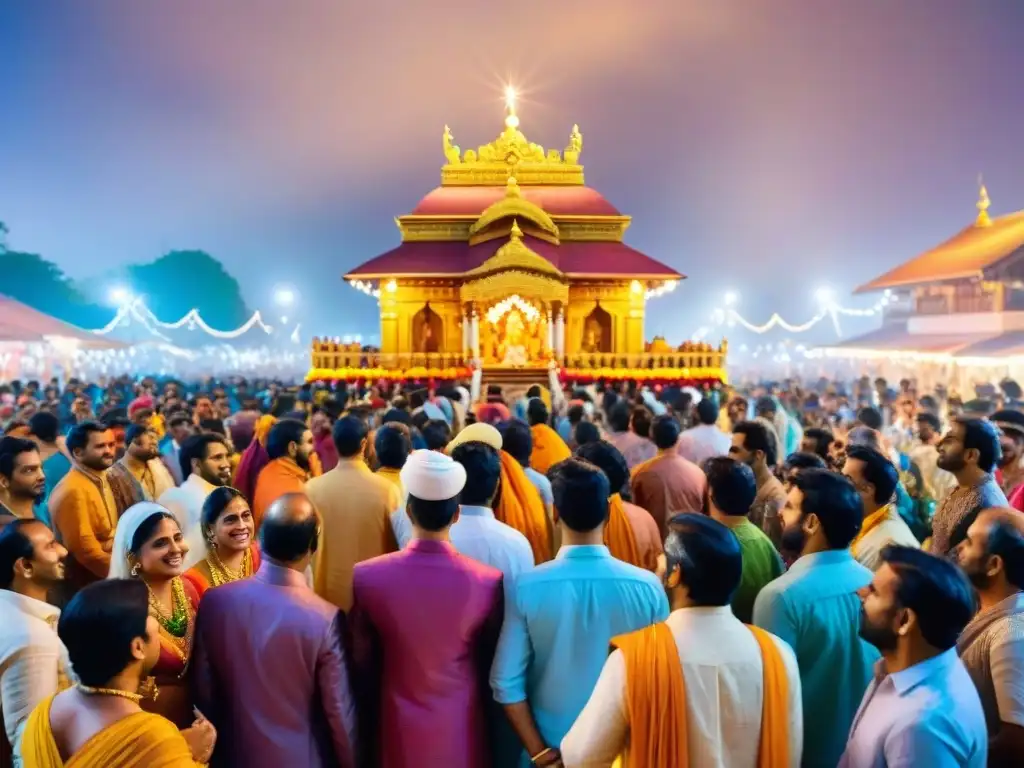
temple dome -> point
(569, 200)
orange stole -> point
(619, 534)
(656, 700)
(548, 448)
(520, 507)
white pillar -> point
(475, 335)
(551, 334)
(560, 333)
(465, 333)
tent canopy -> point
(20, 323)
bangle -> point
(541, 754)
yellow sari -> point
(140, 740)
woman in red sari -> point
(231, 551)
(149, 546)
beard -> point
(950, 463)
(302, 459)
(794, 537)
(975, 574)
(883, 638)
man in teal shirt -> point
(730, 493)
(560, 617)
(815, 608)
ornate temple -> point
(955, 312)
(514, 262)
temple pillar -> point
(465, 333)
(560, 334)
(551, 335)
(474, 335)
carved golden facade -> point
(512, 262)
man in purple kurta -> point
(269, 662)
(424, 625)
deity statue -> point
(451, 151)
(572, 152)
(512, 349)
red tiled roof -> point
(555, 200)
(966, 254)
(20, 322)
(572, 258)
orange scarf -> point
(619, 534)
(548, 448)
(869, 524)
(656, 700)
(520, 506)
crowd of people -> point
(249, 574)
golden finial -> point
(515, 233)
(983, 220)
(511, 119)
(512, 187)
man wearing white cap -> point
(426, 621)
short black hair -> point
(756, 438)
(217, 502)
(537, 412)
(282, 434)
(147, 528)
(197, 447)
(870, 417)
(580, 492)
(517, 440)
(586, 432)
(1006, 541)
(396, 414)
(878, 471)
(45, 426)
(10, 449)
(982, 436)
(134, 431)
(14, 546)
(802, 460)
(213, 425)
(707, 411)
(576, 413)
(618, 416)
(178, 419)
(665, 431)
(98, 626)
(483, 472)
(708, 557)
(432, 515)
(436, 433)
(392, 445)
(78, 437)
(287, 540)
(822, 440)
(349, 432)
(609, 460)
(765, 404)
(832, 498)
(640, 421)
(935, 589)
(731, 485)
(930, 419)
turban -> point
(477, 433)
(139, 404)
(432, 476)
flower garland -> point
(667, 376)
(375, 374)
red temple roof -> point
(21, 323)
(555, 200)
(966, 254)
(576, 259)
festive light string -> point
(136, 310)
(829, 308)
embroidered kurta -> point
(84, 513)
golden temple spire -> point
(515, 233)
(983, 220)
(511, 119)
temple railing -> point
(334, 356)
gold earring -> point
(135, 571)
(148, 689)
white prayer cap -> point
(478, 432)
(432, 476)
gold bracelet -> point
(541, 754)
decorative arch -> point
(597, 331)
(427, 331)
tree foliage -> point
(39, 283)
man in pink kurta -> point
(424, 625)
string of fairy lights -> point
(828, 308)
(135, 311)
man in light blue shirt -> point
(562, 615)
(814, 607)
(922, 708)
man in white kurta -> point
(723, 674)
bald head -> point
(290, 530)
(992, 552)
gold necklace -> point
(90, 691)
(177, 628)
(221, 574)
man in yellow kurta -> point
(289, 447)
(548, 446)
(355, 508)
(82, 506)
